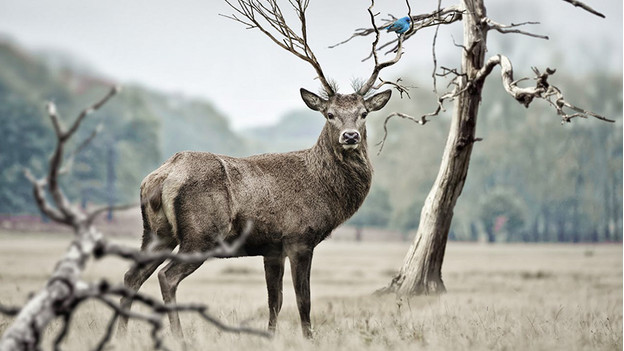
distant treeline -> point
(140, 129)
(530, 179)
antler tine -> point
(289, 40)
(368, 85)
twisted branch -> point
(542, 89)
(422, 120)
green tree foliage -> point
(503, 215)
(192, 124)
(408, 218)
(19, 149)
(567, 179)
(295, 130)
(375, 211)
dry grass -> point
(501, 297)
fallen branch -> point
(65, 289)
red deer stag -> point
(294, 199)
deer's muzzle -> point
(350, 139)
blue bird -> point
(400, 26)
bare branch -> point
(422, 120)
(542, 89)
(56, 161)
(70, 158)
(509, 28)
(40, 198)
(64, 330)
(402, 89)
(98, 211)
(368, 85)
(446, 15)
(433, 53)
(143, 257)
(56, 123)
(9, 310)
(158, 310)
(87, 111)
(108, 333)
(254, 10)
(154, 320)
(585, 7)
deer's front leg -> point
(274, 274)
(300, 264)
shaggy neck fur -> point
(346, 174)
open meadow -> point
(500, 297)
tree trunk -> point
(491, 238)
(561, 232)
(111, 178)
(534, 235)
(421, 271)
(546, 235)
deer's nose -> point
(351, 137)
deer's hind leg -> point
(200, 218)
(171, 276)
(162, 240)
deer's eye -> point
(364, 114)
(330, 115)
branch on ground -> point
(65, 289)
(104, 248)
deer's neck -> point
(344, 174)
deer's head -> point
(346, 114)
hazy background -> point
(187, 47)
(195, 80)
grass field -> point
(500, 297)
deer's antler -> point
(369, 84)
(268, 18)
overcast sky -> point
(186, 47)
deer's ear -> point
(312, 100)
(378, 101)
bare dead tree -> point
(421, 270)
(65, 290)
